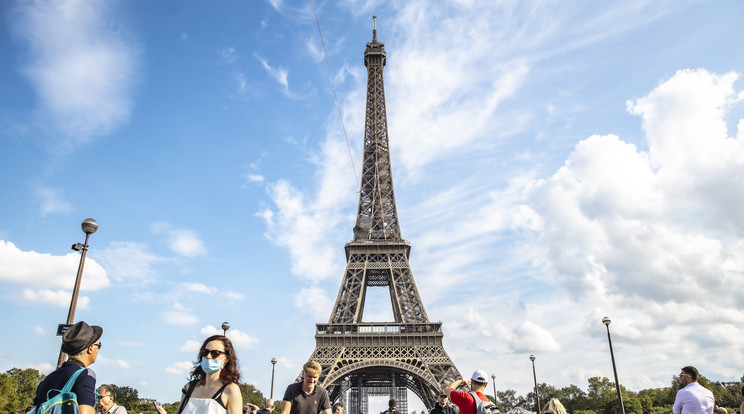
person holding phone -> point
(213, 386)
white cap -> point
(480, 376)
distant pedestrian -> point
(81, 344)
(693, 398)
(268, 407)
(464, 400)
(555, 407)
(249, 408)
(338, 408)
(392, 407)
(307, 397)
(443, 406)
(107, 401)
(213, 386)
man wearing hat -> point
(81, 343)
(464, 400)
(443, 406)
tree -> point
(252, 395)
(573, 398)
(18, 388)
(127, 397)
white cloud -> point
(179, 315)
(190, 346)
(279, 74)
(129, 262)
(180, 368)
(39, 330)
(43, 367)
(199, 288)
(81, 66)
(181, 241)
(59, 298)
(239, 339)
(254, 178)
(314, 302)
(45, 271)
(118, 363)
(52, 200)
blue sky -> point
(554, 162)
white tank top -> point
(206, 405)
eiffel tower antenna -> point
(363, 359)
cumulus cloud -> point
(238, 338)
(180, 368)
(117, 363)
(181, 241)
(47, 278)
(80, 64)
(178, 315)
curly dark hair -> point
(230, 373)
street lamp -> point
(89, 227)
(225, 327)
(606, 321)
(534, 376)
(273, 364)
(493, 379)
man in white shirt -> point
(693, 398)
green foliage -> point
(18, 388)
(127, 397)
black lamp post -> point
(225, 327)
(493, 379)
(89, 227)
(273, 364)
(534, 376)
(606, 321)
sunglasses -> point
(99, 345)
(213, 353)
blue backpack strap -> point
(71, 381)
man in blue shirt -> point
(81, 344)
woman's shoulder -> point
(232, 388)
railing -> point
(381, 328)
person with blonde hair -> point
(553, 407)
(307, 397)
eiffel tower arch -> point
(364, 359)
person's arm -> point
(677, 407)
(453, 386)
(86, 409)
(286, 407)
(234, 401)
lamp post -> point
(273, 364)
(89, 227)
(225, 327)
(493, 380)
(606, 321)
(534, 376)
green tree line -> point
(18, 387)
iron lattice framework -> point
(365, 359)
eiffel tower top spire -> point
(377, 218)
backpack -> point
(65, 402)
(484, 407)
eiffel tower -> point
(364, 359)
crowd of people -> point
(213, 386)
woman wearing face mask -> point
(213, 388)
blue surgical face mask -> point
(210, 366)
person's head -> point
(688, 375)
(269, 404)
(479, 380)
(81, 342)
(338, 408)
(442, 400)
(554, 407)
(310, 375)
(217, 355)
(392, 403)
(721, 410)
(424, 412)
(108, 398)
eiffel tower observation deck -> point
(385, 359)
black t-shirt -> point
(302, 403)
(84, 388)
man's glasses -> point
(99, 345)
(213, 353)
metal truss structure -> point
(362, 359)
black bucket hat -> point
(79, 337)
